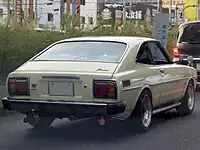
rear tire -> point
(143, 112)
(188, 101)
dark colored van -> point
(188, 40)
(188, 43)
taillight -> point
(105, 89)
(18, 86)
(175, 52)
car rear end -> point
(63, 88)
(188, 44)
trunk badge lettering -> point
(100, 69)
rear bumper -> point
(64, 109)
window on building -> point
(50, 17)
(90, 20)
(82, 2)
(11, 12)
(56, 9)
(82, 20)
(50, 3)
(1, 12)
(41, 25)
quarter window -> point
(143, 55)
(157, 54)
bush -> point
(21, 43)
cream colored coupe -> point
(106, 77)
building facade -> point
(187, 10)
(49, 13)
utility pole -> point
(8, 10)
(62, 14)
(19, 11)
(30, 13)
(160, 9)
(170, 11)
(130, 9)
(68, 8)
(36, 14)
(113, 17)
(26, 12)
(124, 14)
(68, 12)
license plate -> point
(198, 67)
(61, 89)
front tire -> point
(188, 101)
(143, 112)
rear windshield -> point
(103, 51)
(190, 33)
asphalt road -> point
(168, 132)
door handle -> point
(162, 70)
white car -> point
(107, 76)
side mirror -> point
(190, 59)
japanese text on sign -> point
(164, 34)
(160, 33)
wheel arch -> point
(188, 81)
(144, 88)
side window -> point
(157, 54)
(144, 56)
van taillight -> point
(18, 86)
(105, 89)
(175, 52)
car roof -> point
(131, 40)
(189, 23)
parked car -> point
(105, 77)
(188, 44)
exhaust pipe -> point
(32, 118)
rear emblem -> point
(33, 86)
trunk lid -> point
(64, 80)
